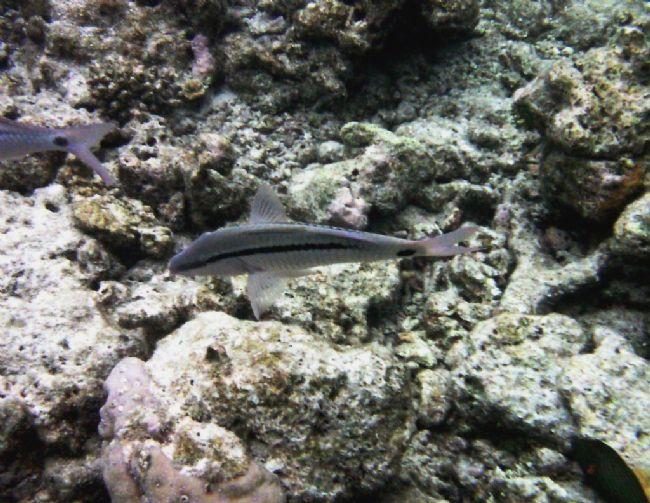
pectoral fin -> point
(263, 289)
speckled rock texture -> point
(56, 348)
(298, 396)
(308, 49)
(155, 455)
(592, 113)
(415, 380)
(125, 225)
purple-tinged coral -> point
(156, 454)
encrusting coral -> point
(148, 456)
(392, 382)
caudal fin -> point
(82, 138)
(445, 245)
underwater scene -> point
(324, 251)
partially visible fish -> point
(608, 473)
(271, 249)
(18, 139)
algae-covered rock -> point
(434, 386)
(591, 114)
(29, 173)
(537, 283)
(135, 59)
(632, 230)
(195, 461)
(146, 298)
(217, 192)
(307, 51)
(596, 189)
(451, 15)
(56, 347)
(313, 190)
(354, 28)
(343, 302)
(505, 370)
(125, 225)
(447, 467)
(606, 395)
(151, 169)
(388, 173)
(312, 409)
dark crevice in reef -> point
(410, 35)
(20, 470)
(411, 41)
(22, 473)
(620, 284)
(560, 302)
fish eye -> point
(60, 141)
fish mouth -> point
(179, 264)
(175, 265)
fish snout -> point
(175, 265)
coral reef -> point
(307, 50)
(56, 348)
(416, 380)
(124, 225)
(591, 113)
(138, 464)
(328, 421)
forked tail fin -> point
(445, 245)
(82, 138)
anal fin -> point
(263, 289)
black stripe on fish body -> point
(247, 252)
(406, 253)
(279, 249)
(60, 141)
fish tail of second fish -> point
(446, 244)
(78, 140)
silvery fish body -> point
(18, 140)
(271, 249)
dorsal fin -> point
(266, 207)
(9, 126)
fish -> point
(18, 139)
(608, 473)
(271, 249)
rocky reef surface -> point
(412, 381)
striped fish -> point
(17, 140)
(271, 249)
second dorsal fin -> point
(266, 207)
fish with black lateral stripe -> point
(271, 249)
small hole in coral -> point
(51, 207)
(358, 14)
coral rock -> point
(311, 408)
(592, 117)
(150, 455)
(632, 230)
(126, 225)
